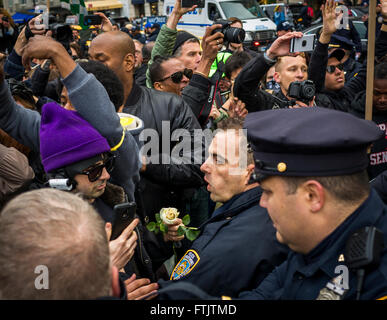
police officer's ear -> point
(129, 62)
(314, 195)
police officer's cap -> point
(338, 41)
(308, 142)
(338, 54)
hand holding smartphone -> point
(304, 44)
(92, 20)
(124, 215)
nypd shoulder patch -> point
(185, 265)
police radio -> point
(362, 251)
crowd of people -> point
(267, 153)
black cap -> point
(338, 54)
(308, 142)
(342, 42)
(155, 25)
(182, 36)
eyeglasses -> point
(331, 69)
(95, 172)
(178, 76)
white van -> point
(260, 30)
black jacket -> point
(378, 155)
(227, 261)
(154, 107)
(140, 75)
(338, 100)
(141, 263)
(246, 88)
(165, 185)
(199, 95)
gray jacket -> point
(92, 102)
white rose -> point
(169, 215)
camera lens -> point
(234, 35)
(308, 92)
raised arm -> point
(319, 60)
(20, 123)
(92, 102)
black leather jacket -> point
(165, 184)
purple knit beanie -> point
(66, 138)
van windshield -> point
(241, 9)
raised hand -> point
(329, 17)
(281, 46)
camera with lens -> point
(302, 91)
(61, 32)
(231, 34)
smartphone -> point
(304, 44)
(92, 20)
(190, 3)
(124, 215)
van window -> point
(213, 12)
(236, 9)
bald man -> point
(165, 184)
(116, 50)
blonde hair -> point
(280, 59)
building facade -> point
(113, 8)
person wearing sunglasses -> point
(169, 75)
(335, 76)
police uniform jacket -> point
(304, 276)
(236, 250)
(351, 68)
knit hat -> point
(66, 138)
(182, 36)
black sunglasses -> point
(95, 172)
(178, 76)
(331, 69)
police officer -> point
(238, 232)
(351, 66)
(316, 191)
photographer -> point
(237, 47)
(289, 67)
